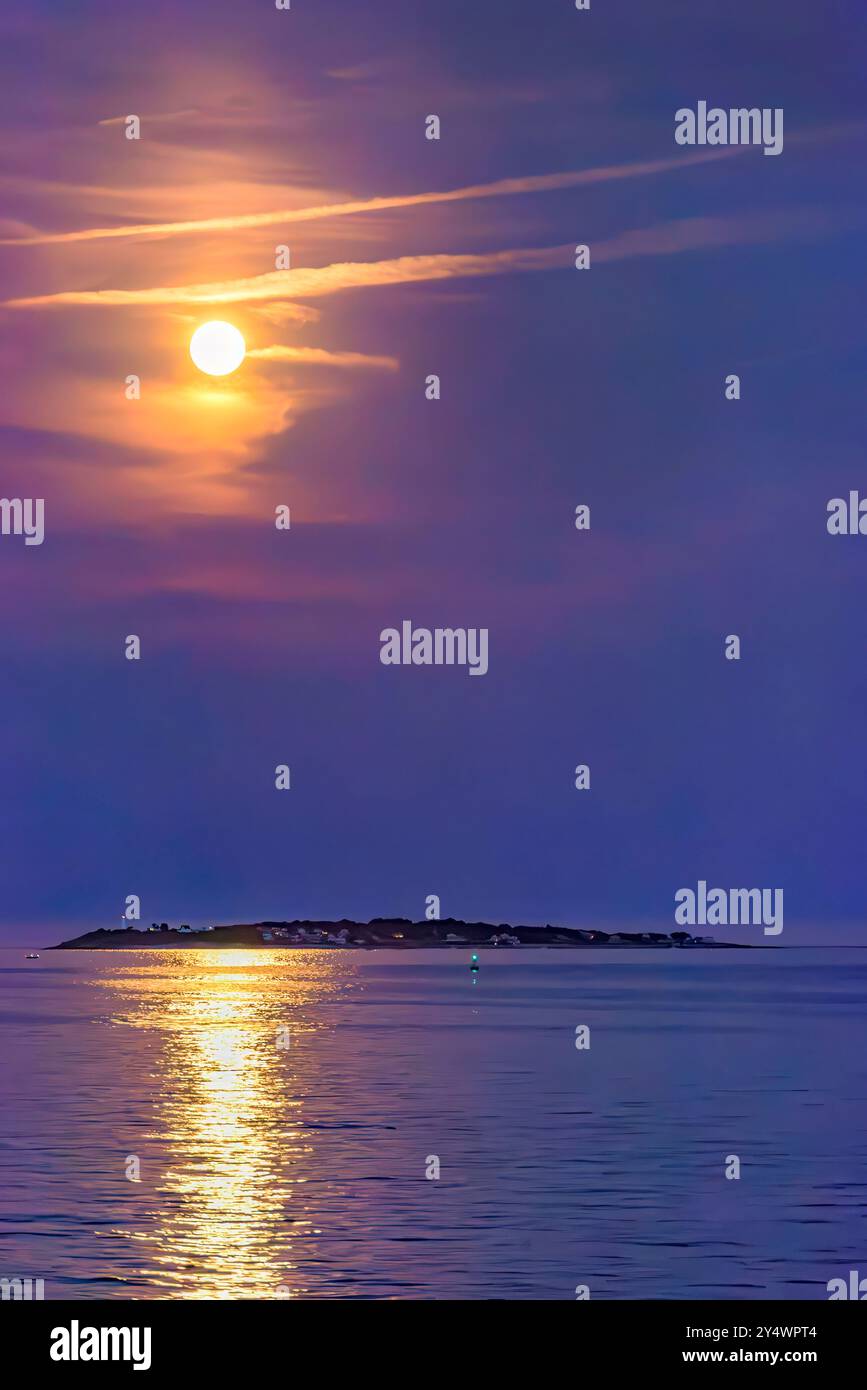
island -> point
(393, 933)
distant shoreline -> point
(384, 933)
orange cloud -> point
(328, 279)
(502, 188)
(668, 238)
(321, 357)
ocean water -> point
(270, 1171)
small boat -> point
(32, 955)
(474, 963)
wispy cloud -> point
(285, 284)
(277, 312)
(665, 239)
(542, 183)
(322, 357)
(155, 116)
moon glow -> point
(217, 348)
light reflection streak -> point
(234, 1198)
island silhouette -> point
(398, 933)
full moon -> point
(217, 348)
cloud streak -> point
(286, 284)
(157, 116)
(543, 183)
(666, 239)
(322, 357)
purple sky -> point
(605, 387)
